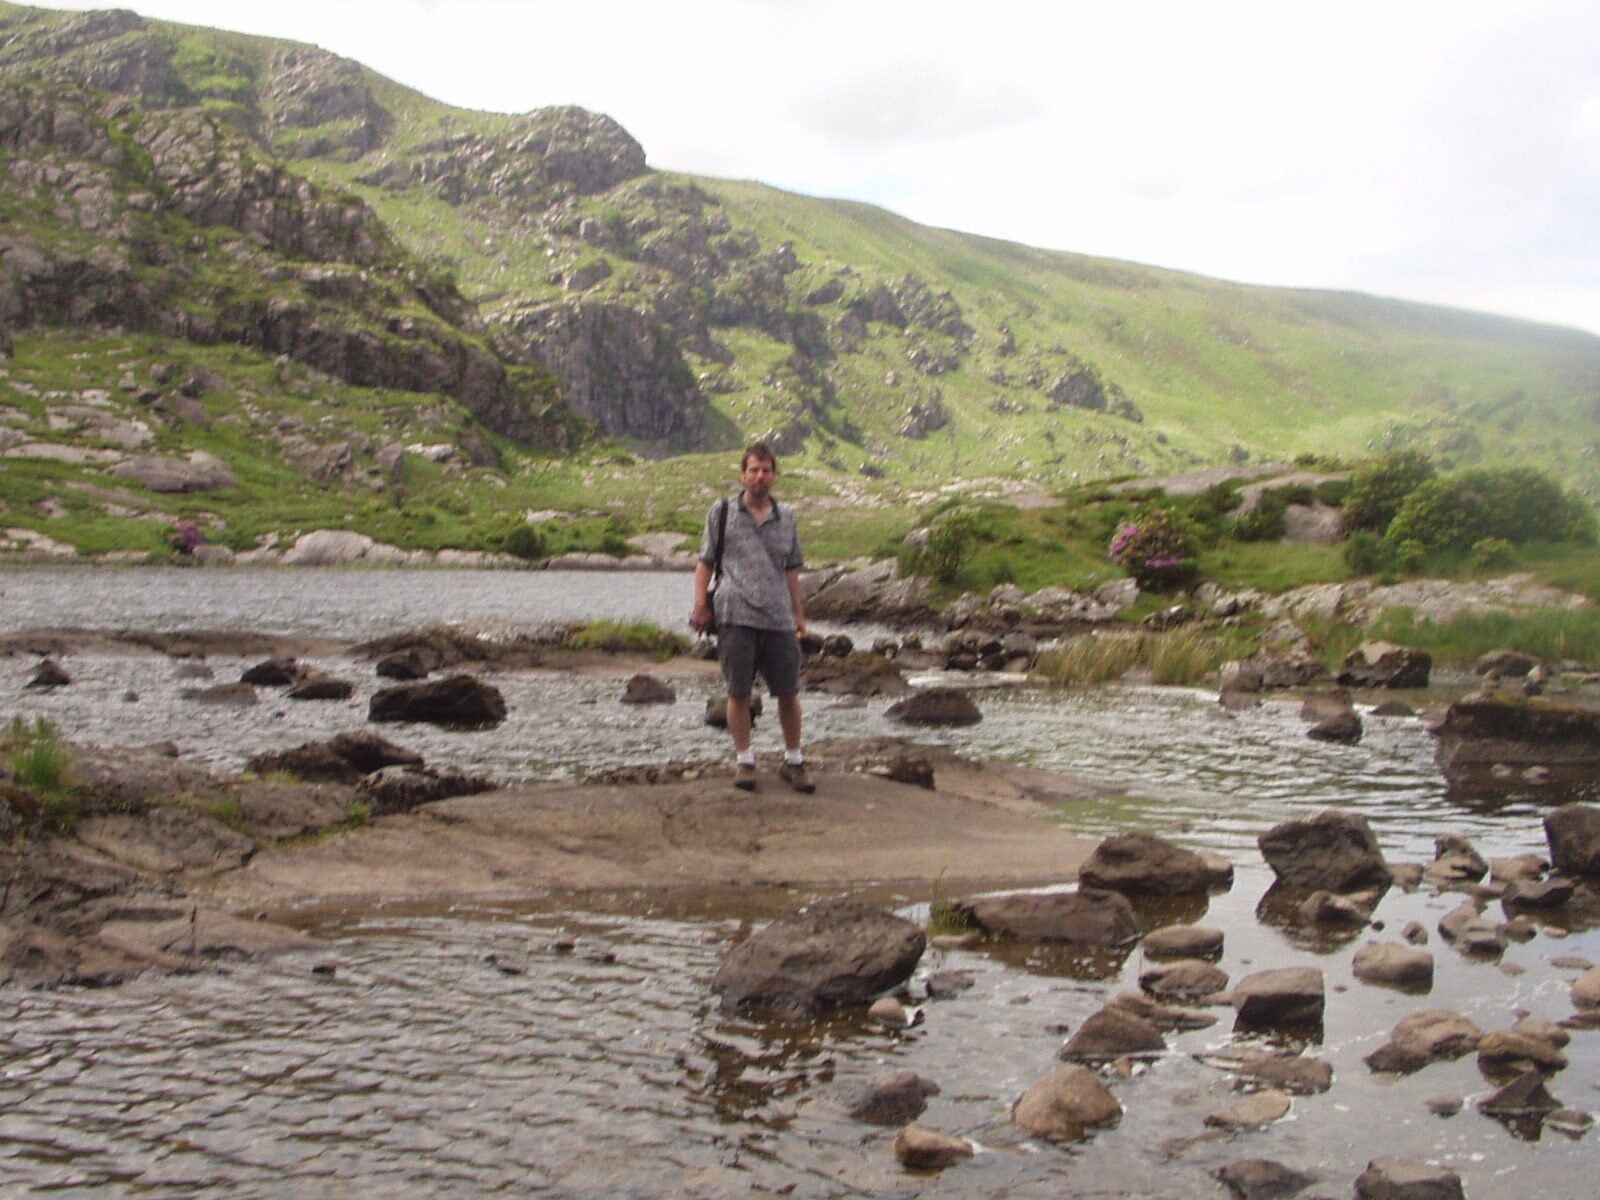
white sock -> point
(747, 758)
(793, 758)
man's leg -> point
(737, 651)
(788, 718)
(739, 723)
(781, 668)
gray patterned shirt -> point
(755, 561)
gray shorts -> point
(743, 650)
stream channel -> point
(420, 1069)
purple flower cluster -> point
(1155, 549)
(187, 538)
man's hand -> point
(800, 627)
(701, 617)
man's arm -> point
(793, 580)
(700, 614)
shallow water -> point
(421, 1069)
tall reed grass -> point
(1549, 633)
(1175, 657)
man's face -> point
(757, 475)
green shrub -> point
(1363, 552)
(1378, 490)
(1264, 522)
(1295, 493)
(1405, 556)
(1516, 504)
(1491, 553)
(1334, 492)
(525, 541)
(618, 637)
(944, 551)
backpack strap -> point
(722, 538)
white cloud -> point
(1442, 151)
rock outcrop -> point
(1488, 731)
(1081, 918)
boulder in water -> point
(1333, 851)
(1081, 918)
(936, 706)
(1066, 1104)
(1140, 864)
(456, 701)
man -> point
(758, 616)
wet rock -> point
(273, 672)
(647, 689)
(1424, 1037)
(1399, 1179)
(889, 1012)
(48, 676)
(1183, 941)
(1524, 1096)
(1332, 851)
(1082, 918)
(1573, 832)
(1454, 863)
(1167, 1017)
(944, 984)
(858, 674)
(317, 686)
(1570, 1121)
(1394, 966)
(907, 768)
(1297, 1074)
(923, 1149)
(234, 694)
(456, 701)
(1343, 728)
(1262, 1179)
(1112, 1033)
(1287, 997)
(939, 706)
(888, 1098)
(1504, 664)
(1586, 989)
(717, 710)
(1253, 1112)
(402, 664)
(1066, 1104)
(1487, 730)
(1415, 933)
(342, 759)
(192, 670)
(1506, 1048)
(1465, 928)
(1186, 979)
(1546, 1031)
(1553, 892)
(1139, 864)
(167, 839)
(828, 954)
(1385, 665)
(401, 789)
(1219, 871)
(368, 752)
(1443, 1106)
(1521, 868)
(1407, 876)
(1326, 908)
(1394, 708)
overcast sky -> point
(1436, 151)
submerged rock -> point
(1297, 1074)
(887, 1098)
(828, 954)
(1183, 941)
(1399, 1179)
(923, 1149)
(1082, 918)
(234, 694)
(456, 701)
(1524, 1096)
(1254, 1111)
(1139, 864)
(314, 685)
(1262, 1179)
(936, 706)
(1066, 1104)
(1187, 979)
(647, 689)
(273, 672)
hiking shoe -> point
(794, 774)
(744, 777)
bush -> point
(1157, 549)
(1515, 504)
(524, 541)
(944, 551)
(1264, 522)
(1491, 553)
(1405, 556)
(1363, 552)
(1378, 490)
(1334, 492)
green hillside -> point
(677, 316)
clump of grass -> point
(1174, 657)
(39, 764)
(356, 814)
(1091, 659)
(943, 916)
(226, 809)
(618, 637)
(1549, 633)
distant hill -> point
(540, 277)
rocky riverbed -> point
(401, 979)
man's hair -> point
(759, 451)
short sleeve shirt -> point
(755, 561)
